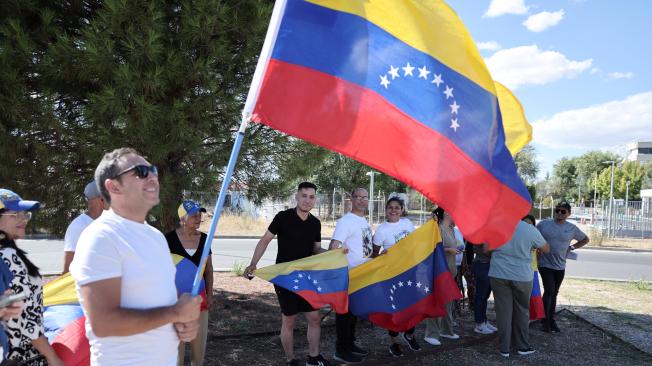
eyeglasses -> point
(360, 197)
(25, 215)
(560, 211)
(142, 171)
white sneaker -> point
(450, 336)
(482, 329)
(433, 341)
(490, 327)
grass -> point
(632, 297)
(238, 268)
(641, 284)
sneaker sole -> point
(525, 353)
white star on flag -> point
(319, 289)
(448, 92)
(296, 287)
(454, 124)
(296, 281)
(409, 283)
(393, 306)
(300, 275)
(454, 107)
(391, 298)
(423, 72)
(426, 289)
(394, 287)
(437, 80)
(400, 284)
(384, 81)
(419, 284)
(314, 282)
(408, 69)
(308, 276)
(393, 71)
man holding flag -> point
(299, 236)
(353, 233)
(125, 275)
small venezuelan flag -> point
(409, 283)
(320, 279)
(536, 303)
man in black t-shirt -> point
(299, 236)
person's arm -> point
(108, 318)
(43, 347)
(580, 243)
(334, 244)
(261, 247)
(317, 248)
(208, 280)
(545, 249)
(67, 259)
(375, 250)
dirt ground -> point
(245, 321)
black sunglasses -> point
(563, 212)
(142, 171)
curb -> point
(618, 249)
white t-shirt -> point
(460, 246)
(354, 233)
(111, 247)
(74, 230)
(389, 233)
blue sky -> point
(579, 67)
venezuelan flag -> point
(409, 283)
(536, 302)
(320, 279)
(400, 87)
(63, 320)
(186, 270)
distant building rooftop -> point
(640, 151)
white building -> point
(639, 151)
(646, 200)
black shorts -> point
(291, 303)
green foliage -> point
(238, 268)
(527, 165)
(632, 172)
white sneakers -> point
(450, 336)
(433, 341)
(484, 328)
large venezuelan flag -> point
(63, 320)
(401, 87)
(320, 279)
(409, 283)
(537, 310)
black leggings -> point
(552, 280)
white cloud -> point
(543, 20)
(489, 46)
(620, 75)
(603, 125)
(595, 70)
(529, 65)
(501, 7)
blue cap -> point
(12, 202)
(91, 191)
(189, 207)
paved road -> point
(592, 263)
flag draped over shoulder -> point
(536, 303)
(320, 279)
(400, 87)
(63, 320)
(409, 283)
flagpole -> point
(261, 67)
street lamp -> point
(626, 199)
(611, 196)
(371, 196)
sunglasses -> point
(560, 211)
(25, 215)
(142, 171)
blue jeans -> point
(482, 291)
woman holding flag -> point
(389, 233)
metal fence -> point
(632, 219)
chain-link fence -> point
(631, 219)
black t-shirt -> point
(177, 248)
(296, 237)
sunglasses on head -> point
(560, 211)
(142, 171)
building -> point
(639, 151)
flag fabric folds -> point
(518, 131)
(185, 276)
(320, 279)
(63, 320)
(400, 87)
(536, 302)
(409, 283)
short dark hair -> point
(303, 185)
(109, 167)
(439, 213)
(531, 218)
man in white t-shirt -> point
(94, 207)
(352, 232)
(125, 275)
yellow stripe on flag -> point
(410, 21)
(331, 259)
(405, 254)
(60, 291)
(518, 131)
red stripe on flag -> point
(359, 123)
(338, 300)
(536, 308)
(71, 344)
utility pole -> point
(371, 196)
(611, 197)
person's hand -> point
(12, 310)
(209, 301)
(187, 331)
(249, 271)
(187, 308)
